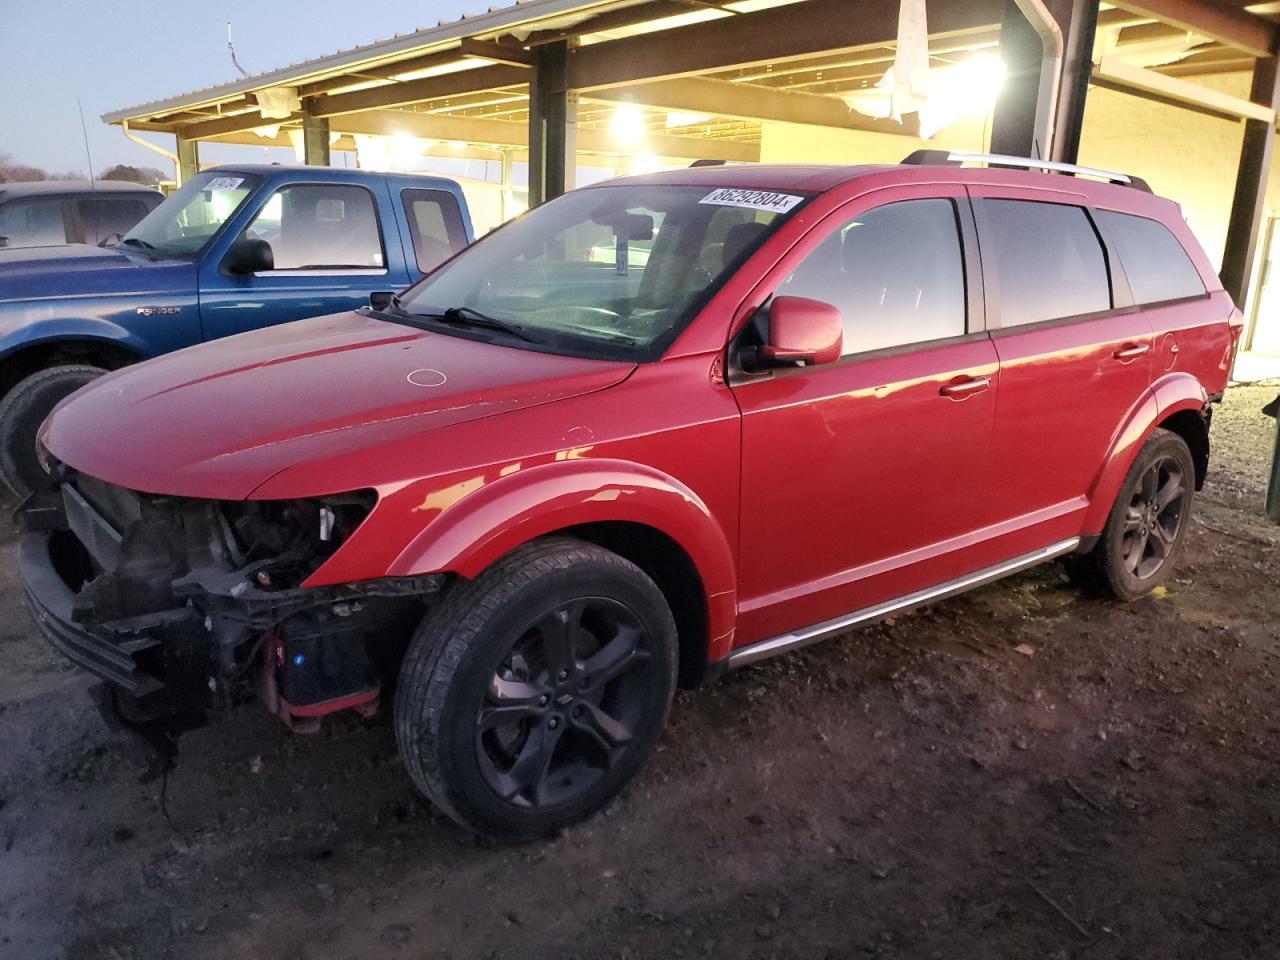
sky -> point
(118, 53)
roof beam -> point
(778, 34)
(508, 133)
(1229, 25)
(612, 20)
(415, 91)
(234, 123)
(381, 71)
(1116, 74)
(492, 52)
(745, 102)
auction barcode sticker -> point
(224, 183)
(752, 199)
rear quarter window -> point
(32, 222)
(1049, 263)
(1155, 263)
(435, 226)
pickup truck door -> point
(333, 245)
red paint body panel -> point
(218, 420)
(798, 496)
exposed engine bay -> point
(188, 607)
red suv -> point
(654, 429)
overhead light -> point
(405, 150)
(680, 118)
(626, 126)
(964, 90)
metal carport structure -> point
(538, 82)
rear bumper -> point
(105, 653)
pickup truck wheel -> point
(23, 410)
(534, 693)
(1147, 525)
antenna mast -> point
(84, 132)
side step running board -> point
(820, 631)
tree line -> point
(11, 172)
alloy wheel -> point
(561, 709)
(1154, 517)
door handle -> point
(962, 388)
(1131, 351)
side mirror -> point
(802, 333)
(381, 299)
(248, 256)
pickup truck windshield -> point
(611, 271)
(182, 225)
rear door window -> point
(896, 273)
(1049, 262)
(1155, 263)
(320, 227)
(435, 226)
(32, 223)
(105, 216)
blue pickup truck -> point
(236, 248)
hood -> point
(36, 273)
(218, 420)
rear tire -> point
(23, 410)
(533, 694)
(1147, 525)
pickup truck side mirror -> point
(248, 256)
(802, 333)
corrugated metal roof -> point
(494, 20)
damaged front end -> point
(187, 606)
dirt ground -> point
(1018, 773)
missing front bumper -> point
(161, 599)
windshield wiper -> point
(466, 317)
(147, 249)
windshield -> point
(607, 271)
(186, 221)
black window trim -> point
(383, 270)
(1151, 304)
(406, 203)
(1117, 283)
(971, 270)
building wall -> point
(1186, 156)
(798, 143)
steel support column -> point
(553, 124)
(315, 138)
(1248, 204)
(1013, 125)
(188, 159)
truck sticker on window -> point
(224, 183)
(752, 199)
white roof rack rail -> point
(955, 158)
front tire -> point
(1147, 524)
(23, 410)
(534, 693)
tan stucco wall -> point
(797, 143)
(1186, 156)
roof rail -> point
(955, 158)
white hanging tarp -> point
(278, 103)
(907, 81)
